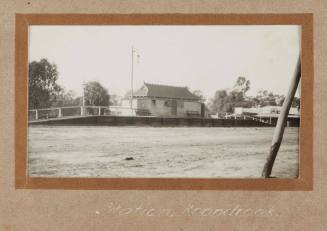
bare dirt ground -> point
(158, 152)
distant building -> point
(165, 101)
(268, 114)
(267, 110)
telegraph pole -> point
(83, 103)
(132, 75)
(83, 100)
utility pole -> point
(132, 75)
(83, 103)
(282, 121)
(83, 100)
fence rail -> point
(248, 117)
(59, 112)
(83, 111)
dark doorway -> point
(203, 109)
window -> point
(167, 103)
(154, 102)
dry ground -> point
(74, 151)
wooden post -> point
(281, 122)
(59, 113)
(99, 111)
(82, 111)
(36, 115)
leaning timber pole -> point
(281, 122)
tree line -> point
(45, 92)
(224, 101)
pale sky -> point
(206, 58)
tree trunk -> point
(281, 122)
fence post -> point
(82, 111)
(59, 114)
(281, 122)
(99, 110)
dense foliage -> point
(43, 87)
(225, 101)
(96, 94)
(45, 92)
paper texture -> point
(24, 209)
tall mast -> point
(83, 98)
(132, 73)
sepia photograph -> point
(164, 101)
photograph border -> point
(303, 182)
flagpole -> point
(132, 73)
(83, 99)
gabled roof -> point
(164, 91)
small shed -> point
(164, 101)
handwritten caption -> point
(191, 210)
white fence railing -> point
(248, 117)
(79, 111)
(59, 112)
